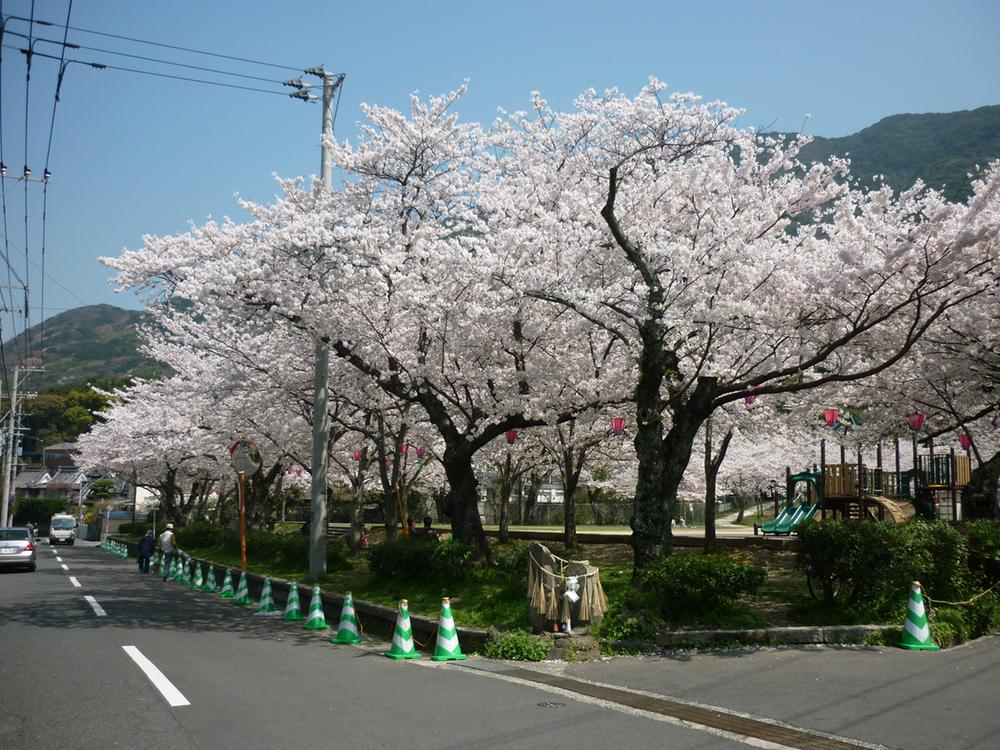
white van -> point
(62, 529)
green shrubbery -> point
(287, 549)
(701, 588)
(37, 511)
(877, 562)
(517, 645)
(416, 559)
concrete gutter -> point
(783, 543)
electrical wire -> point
(158, 60)
(6, 244)
(45, 185)
(104, 66)
(168, 46)
(27, 271)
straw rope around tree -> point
(555, 605)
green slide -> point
(789, 518)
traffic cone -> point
(175, 569)
(199, 582)
(402, 638)
(157, 561)
(179, 570)
(266, 607)
(293, 612)
(186, 573)
(227, 586)
(348, 630)
(210, 584)
(242, 592)
(447, 648)
(316, 619)
(916, 630)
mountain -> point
(939, 148)
(96, 342)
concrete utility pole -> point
(321, 416)
(8, 449)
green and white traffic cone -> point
(348, 630)
(210, 584)
(186, 572)
(179, 569)
(916, 630)
(316, 619)
(199, 582)
(175, 569)
(447, 648)
(266, 607)
(242, 592)
(402, 637)
(227, 586)
(293, 610)
(157, 561)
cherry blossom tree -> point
(726, 266)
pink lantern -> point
(301, 472)
(617, 425)
(830, 415)
(421, 452)
(965, 441)
(916, 420)
(404, 448)
(510, 436)
(750, 400)
(388, 464)
(356, 455)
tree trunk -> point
(979, 496)
(534, 485)
(712, 466)
(741, 499)
(463, 500)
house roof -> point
(31, 478)
(60, 447)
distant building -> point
(55, 457)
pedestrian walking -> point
(147, 546)
(168, 545)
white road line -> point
(160, 682)
(72, 579)
(98, 609)
(58, 559)
(64, 566)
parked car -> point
(62, 529)
(17, 548)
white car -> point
(17, 548)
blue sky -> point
(133, 154)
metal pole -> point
(243, 522)
(8, 449)
(320, 415)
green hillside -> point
(940, 148)
(92, 343)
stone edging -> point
(770, 636)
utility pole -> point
(8, 449)
(321, 415)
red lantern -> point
(830, 415)
(356, 455)
(511, 436)
(617, 425)
(404, 448)
(421, 452)
(965, 441)
(750, 400)
(388, 464)
(916, 420)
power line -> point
(166, 46)
(45, 182)
(158, 60)
(105, 66)
(27, 174)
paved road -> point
(249, 682)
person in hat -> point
(168, 545)
(147, 546)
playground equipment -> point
(860, 491)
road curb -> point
(796, 635)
